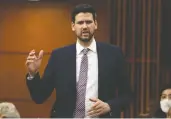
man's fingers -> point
(92, 112)
(95, 108)
(31, 57)
(96, 104)
(99, 110)
(29, 61)
(93, 99)
(98, 107)
(40, 54)
(32, 53)
(94, 115)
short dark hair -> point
(83, 8)
(164, 87)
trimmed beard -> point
(85, 39)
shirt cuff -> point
(30, 77)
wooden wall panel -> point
(136, 28)
(24, 27)
(12, 75)
(40, 26)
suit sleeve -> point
(124, 93)
(41, 88)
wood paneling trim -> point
(19, 100)
(18, 53)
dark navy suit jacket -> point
(60, 74)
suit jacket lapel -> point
(72, 75)
(100, 69)
(72, 67)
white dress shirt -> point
(92, 79)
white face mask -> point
(165, 104)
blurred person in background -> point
(8, 110)
(164, 106)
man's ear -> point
(96, 25)
(72, 26)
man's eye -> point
(88, 22)
(80, 22)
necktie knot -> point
(85, 51)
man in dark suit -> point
(89, 77)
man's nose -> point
(84, 25)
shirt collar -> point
(92, 46)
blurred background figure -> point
(8, 110)
(164, 106)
